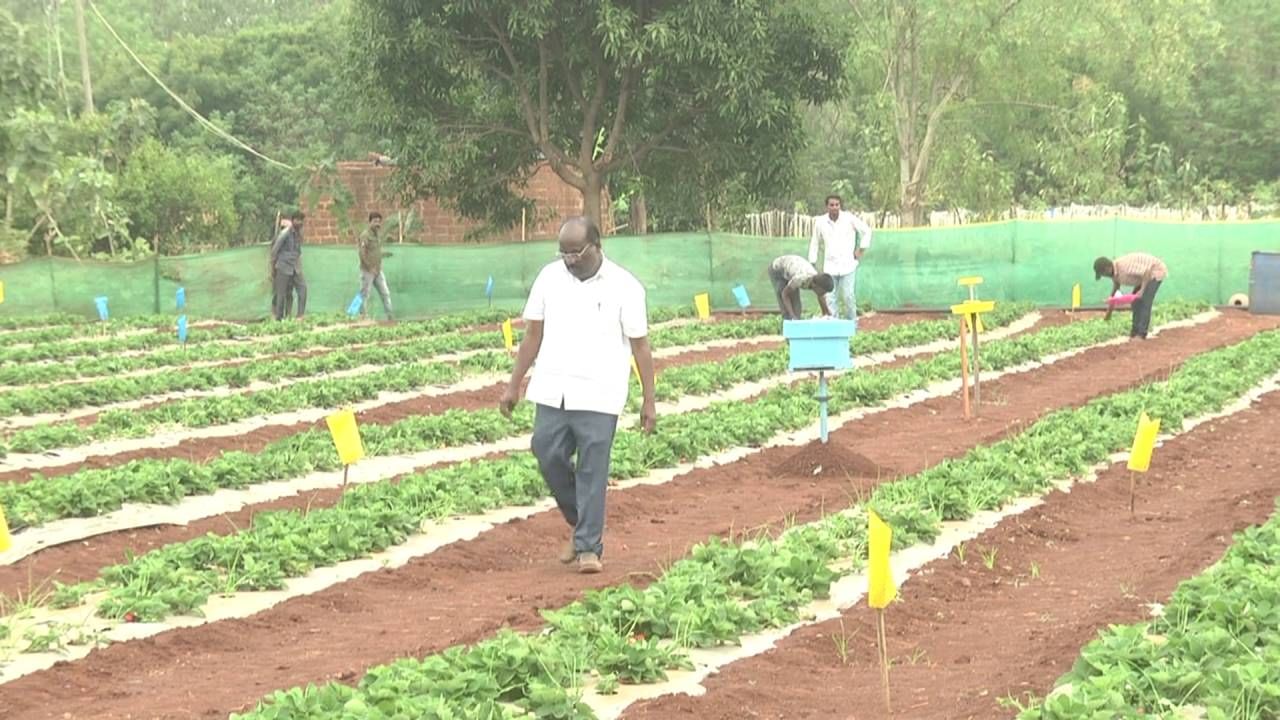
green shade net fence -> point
(1035, 261)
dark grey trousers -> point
(1142, 310)
(284, 284)
(579, 490)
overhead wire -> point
(204, 122)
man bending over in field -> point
(1145, 273)
(790, 274)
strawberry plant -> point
(1215, 649)
(1227, 658)
(374, 516)
(59, 350)
(29, 401)
(696, 379)
(38, 321)
(288, 339)
(706, 378)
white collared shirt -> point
(584, 362)
(839, 239)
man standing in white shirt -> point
(585, 319)
(844, 237)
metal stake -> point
(822, 405)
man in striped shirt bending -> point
(1145, 273)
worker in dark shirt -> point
(286, 269)
(371, 255)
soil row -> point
(74, 562)
(90, 418)
(202, 449)
(965, 636)
(467, 591)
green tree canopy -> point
(473, 96)
(179, 202)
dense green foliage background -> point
(683, 109)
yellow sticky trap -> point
(702, 302)
(1, 291)
(508, 335)
(346, 436)
(880, 587)
(1144, 442)
(1075, 296)
(970, 281)
(6, 542)
(969, 325)
(970, 307)
(635, 368)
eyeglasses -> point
(574, 255)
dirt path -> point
(467, 591)
(86, 415)
(73, 562)
(964, 636)
(204, 449)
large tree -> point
(474, 96)
(21, 86)
(931, 56)
(982, 101)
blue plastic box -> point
(818, 344)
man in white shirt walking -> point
(585, 318)
(844, 237)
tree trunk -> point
(909, 200)
(639, 215)
(911, 205)
(84, 59)
(591, 196)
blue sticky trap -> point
(740, 293)
(101, 302)
(182, 298)
(488, 288)
(182, 329)
(354, 307)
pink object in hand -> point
(1122, 299)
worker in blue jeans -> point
(844, 238)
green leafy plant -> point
(374, 516)
(723, 590)
(989, 557)
(29, 401)
(1214, 647)
(95, 491)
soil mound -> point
(830, 461)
